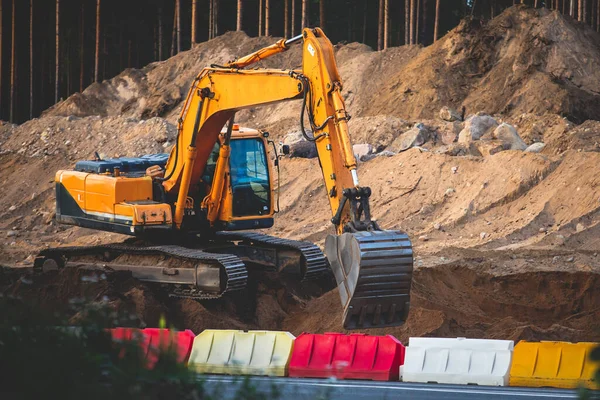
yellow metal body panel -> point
(107, 197)
(145, 214)
(242, 353)
(74, 182)
(553, 364)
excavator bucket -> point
(373, 271)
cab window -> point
(249, 178)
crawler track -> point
(180, 282)
(313, 263)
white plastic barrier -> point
(459, 361)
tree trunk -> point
(437, 20)
(97, 59)
(104, 58)
(597, 20)
(12, 62)
(210, 18)
(305, 21)
(364, 32)
(584, 10)
(173, 34)
(178, 7)
(579, 11)
(2, 59)
(160, 34)
(380, 27)
(424, 19)
(572, 9)
(293, 26)
(412, 22)
(260, 18)
(238, 25)
(406, 21)
(82, 48)
(267, 16)
(322, 14)
(195, 21)
(535, 2)
(417, 21)
(216, 18)
(30, 59)
(286, 20)
(386, 24)
(57, 70)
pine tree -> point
(406, 21)
(216, 18)
(412, 22)
(210, 18)
(386, 23)
(2, 58)
(286, 20)
(380, 27)
(195, 21)
(30, 59)
(437, 20)
(293, 26)
(97, 58)
(322, 14)
(81, 47)
(260, 17)
(57, 70)
(178, 8)
(173, 34)
(305, 21)
(160, 34)
(267, 16)
(13, 61)
(238, 26)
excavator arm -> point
(373, 267)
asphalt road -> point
(227, 387)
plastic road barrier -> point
(153, 341)
(355, 356)
(458, 361)
(553, 364)
(242, 353)
(162, 340)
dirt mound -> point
(476, 297)
(516, 63)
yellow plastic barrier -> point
(553, 364)
(242, 353)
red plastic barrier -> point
(127, 334)
(162, 339)
(153, 340)
(354, 356)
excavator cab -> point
(248, 202)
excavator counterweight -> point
(194, 210)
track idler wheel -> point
(373, 271)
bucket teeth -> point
(373, 271)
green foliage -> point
(42, 357)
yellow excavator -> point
(195, 208)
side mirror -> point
(285, 149)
